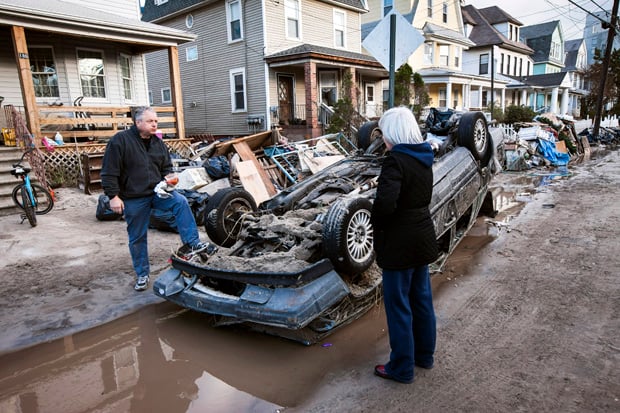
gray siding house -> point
(255, 64)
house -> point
(59, 54)
(498, 52)
(440, 59)
(548, 84)
(547, 41)
(257, 64)
(575, 64)
(595, 35)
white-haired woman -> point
(405, 243)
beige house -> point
(440, 59)
(257, 64)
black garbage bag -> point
(104, 212)
(197, 202)
(217, 167)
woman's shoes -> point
(380, 371)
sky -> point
(531, 12)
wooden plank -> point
(317, 163)
(246, 154)
(255, 141)
(252, 181)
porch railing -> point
(92, 122)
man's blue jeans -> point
(411, 320)
(137, 215)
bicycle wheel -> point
(42, 197)
(28, 207)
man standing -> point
(134, 163)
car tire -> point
(223, 212)
(348, 235)
(367, 136)
(473, 133)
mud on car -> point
(302, 263)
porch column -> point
(564, 102)
(449, 94)
(503, 100)
(175, 90)
(479, 97)
(465, 93)
(312, 113)
(25, 79)
(353, 91)
(554, 100)
(523, 97)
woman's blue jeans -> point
(411, 320)
(137, 214)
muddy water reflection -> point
(162, 359)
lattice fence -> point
(62, 166)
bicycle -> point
(34, 199)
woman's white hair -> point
(398, 125)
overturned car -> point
(301, 263)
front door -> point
(286, 99)
(371, 104)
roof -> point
(63, 17)
(571, 50)
(152, 12)
(538, 37)
(495, 15)
(448, 34)
(483, 32)
(545, 80)
(306, 51)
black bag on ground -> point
(104, 212)
(217, 167)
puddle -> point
(166, 359)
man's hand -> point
(116, 205)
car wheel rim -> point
(359, 236)
(480, 135)
(234, 211)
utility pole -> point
(610, 40)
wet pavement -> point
(168, 359)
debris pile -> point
(548, 141)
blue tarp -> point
(548, 150)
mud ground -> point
(530, 325)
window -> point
(445, 12)
(292, 12)
(387, 6)
(126, 75)
(507, 65)
(429, 8)
(484, 64)
(191, 53)
(233, 17)
(442, 98)
(428, 53)
(166, 95)
(339, 25)
(328, 85)
(485, 98)
(189, 21)
(514, 67)
(528, 68)
(160, 2)
(237, 90)
(92, 75)
(457, 56)
(555, 50)
(444, 51)
(150, 98)
(520, 67)
(43, 71)
(501, 64)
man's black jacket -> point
(129, 169)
